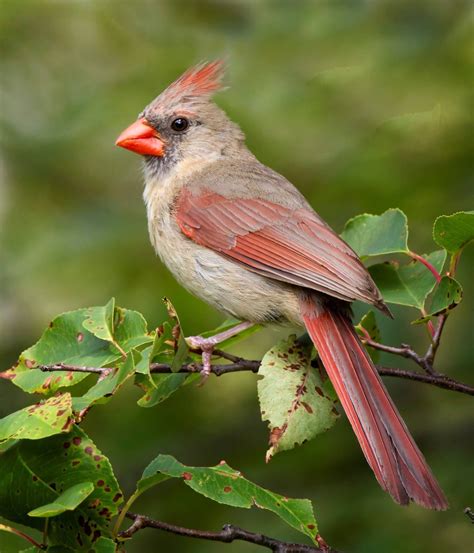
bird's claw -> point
(206, 345)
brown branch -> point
(248, 365)
(439, 380)
(424, 361)
(228, 534)
(238, 364)
(102, 371)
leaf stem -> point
(22, 535)
(45, 530)
(123, 514)
(427, 264)
(453, 263)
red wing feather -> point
(293, 246)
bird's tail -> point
(398, 464)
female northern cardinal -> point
(241, 237)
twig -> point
(228, 534)
(74, 369)
(248, 365)
(439, 380)
(424, 361)
(430, 354)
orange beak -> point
(141, 138)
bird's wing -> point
(290, 245)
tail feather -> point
(391, 452)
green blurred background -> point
(363, 105)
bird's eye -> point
(180, 124)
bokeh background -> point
(363, 105)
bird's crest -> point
(196, 84)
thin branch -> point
(228, 534)
(430, 354)
(248, 365)
(424, 361)
(439, 380)
(74, 369)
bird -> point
(241, 237)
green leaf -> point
(370, 235)
(35, 473)
(225, 485)
(100, 321)
(407, 284)
(159, 387)
(123, 328)
(169, 348)
(106, 387)
(130, 329)
(37, 421)
(291, 396)
(447, 295)
(368, 323)
(453, 232)
(67, 341)
(67, 501)
(64, 341)
(105, 545)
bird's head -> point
(183, 123)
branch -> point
(426, 361)
(439, 380)
(248, 365)
(228, 534)
(238, 364)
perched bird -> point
(241, 237)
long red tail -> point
(398, 464)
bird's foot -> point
(207, 346)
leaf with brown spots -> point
(223, 484)
(36, 473)
(292, 396)
(100, 322)
(123, 328)
(447, 295)
(68, 341)
(65, 342)
(37, 421)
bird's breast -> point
(209, 275)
